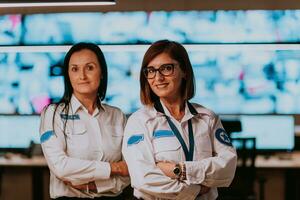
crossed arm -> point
(117, 168)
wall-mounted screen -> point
(272, 132)
(11, 29)
(17, 131)
(232, 81)
(189, 27)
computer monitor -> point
(17, 131)
(272, 132)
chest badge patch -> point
(69, 117)
(222, 137)
(135, 139)
(46, 136)
(163, 133)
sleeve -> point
(219, 170)
(145, 175)
(116, 183)
(52, 138)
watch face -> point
(176, 170)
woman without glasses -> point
(82, 137)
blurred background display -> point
(272, 132)
(228, 82)
(10, 29)
(239, 80)
(189, 27)
(245, 62)
(183, 26)
(14, 135)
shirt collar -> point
(188, 112)
(76, 105)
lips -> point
(84, 83)
(162, 85)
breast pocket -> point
(77, 135)
(115, 135)
(167, 149)
(203, 146)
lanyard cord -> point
(189, 153)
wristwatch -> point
(177, 171)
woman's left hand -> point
(204, 190)
(119, 168)
(167, 168)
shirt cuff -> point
(102, 170)
(194, 173)
(190, 192)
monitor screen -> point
(11, 29)
(272, 132)
(17, 131)
(239, 26)
(228, 82)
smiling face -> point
(84, 72)
(167, 88)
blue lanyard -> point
(189, 153)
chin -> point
(168, 95)
(163, 95)
(86, 92)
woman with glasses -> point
(81, 137)
(175, 149)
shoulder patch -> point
(163, 133)
(135, 139)
(69, 117)
(46, 136)
(222, 137)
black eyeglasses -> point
(165, 70)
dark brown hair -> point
(103, 76)
(177, 52)
(66, 98)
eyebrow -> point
(162, 64)
(90, 63)
(84, 64)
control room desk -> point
(282, 175)
(282, 160)
(24, 178)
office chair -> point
(242, 186)
(232, 125)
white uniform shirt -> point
(83, 153)
(148, 139)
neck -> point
(176, 107)
(88, 101)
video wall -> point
(229, 80)
(255, 26)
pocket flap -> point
(79, 128)
(115, 130)
(163, 144)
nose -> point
(82, 74)
(158, 76)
